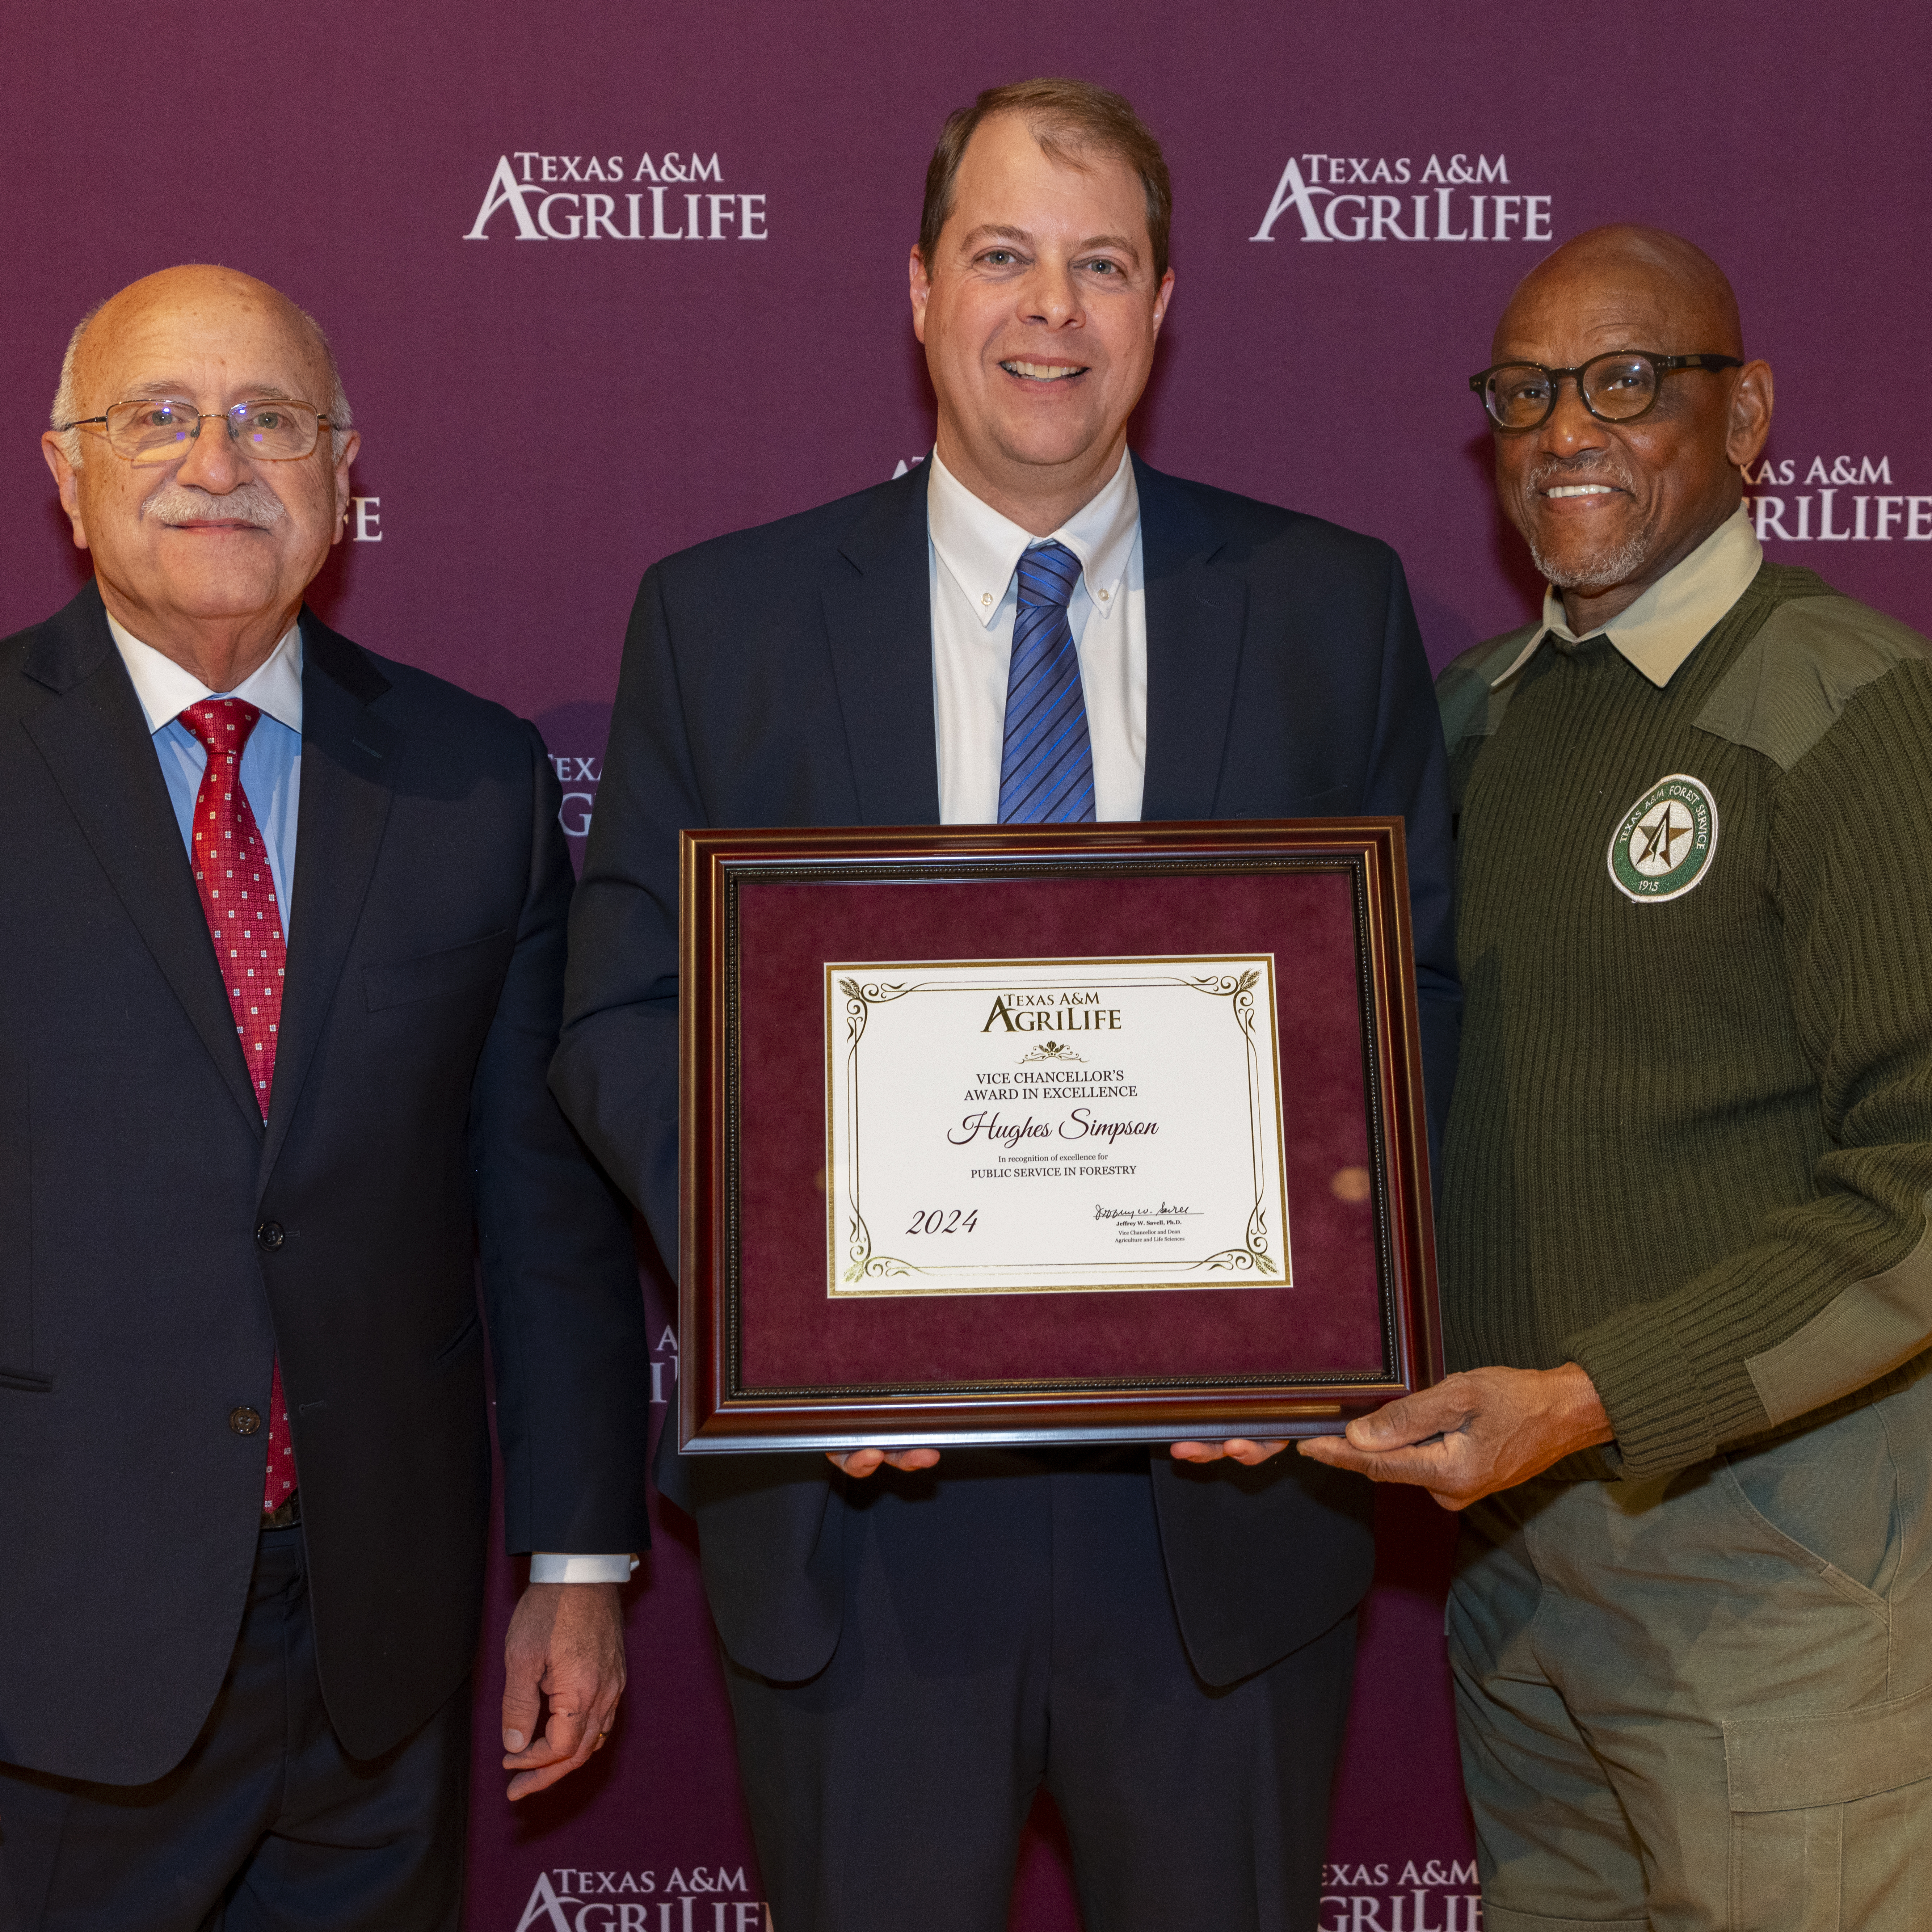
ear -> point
(1750, 419)
(1162, 297)
(67, 482)
(351, 444)
(921, 286)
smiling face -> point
(206, 558)
(1607, 508)
(1038, 313)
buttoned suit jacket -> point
(783, 675)
(160, 1242)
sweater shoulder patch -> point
(1873, 1325)
(1470, 707)
(1810, 657)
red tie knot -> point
(222, 724)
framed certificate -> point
(1051, 1134)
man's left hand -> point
(565, 1641)
(1472, 1435)
(1236, 1449)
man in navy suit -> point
(284, 962)
(1032, 626)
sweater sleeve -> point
(1835, 1292)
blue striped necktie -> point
(1046, 768)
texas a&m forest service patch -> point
(1663, 844)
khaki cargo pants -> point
(1706, 1701)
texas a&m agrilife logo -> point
(579, 774)
(1663, 845)
(1458, 199)
(669, 197)
(1833, 499)
(1424, 1895)
(698, 1899)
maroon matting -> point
(795, 1337)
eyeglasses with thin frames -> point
(161, 429)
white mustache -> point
(1597, 470)
(249, 503)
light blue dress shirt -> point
(271, 781)
(271, 760)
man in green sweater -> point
(1687, 1266)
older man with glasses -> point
(284, 962)
(1688, 1165)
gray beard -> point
(1602, 567)
(249, 503)
(1598, 571)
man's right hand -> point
(863, 1461)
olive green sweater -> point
(1690, 1147)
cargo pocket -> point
(1867, 1539)
(1831, 1819)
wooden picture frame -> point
(803, 1326)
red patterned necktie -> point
(237, 895)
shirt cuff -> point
(546, 1566)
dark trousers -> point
(266, 1825)
(1008, 1625)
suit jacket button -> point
(270, 1235)
(245, 1421)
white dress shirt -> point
(272, 783)
(973, 557)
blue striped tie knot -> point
(1046, 766)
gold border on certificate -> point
(1255, 1253)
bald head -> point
(1652, 273)
(202, 292)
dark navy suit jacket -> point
(783, 675)
(160, 1243)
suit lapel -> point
(347, 773)
(1195, 617)
(96, 743)
(878, 620)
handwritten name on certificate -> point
(1037, 1127)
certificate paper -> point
(1034, 1127)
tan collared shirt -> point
(1665, 625)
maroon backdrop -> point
(608, 278)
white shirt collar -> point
(1675, 614)
(981, 549)
(165, 691)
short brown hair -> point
(1069, 118)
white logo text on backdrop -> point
(579, 776)
(565, 1899)
(683, 199)
(1427, 1895)
(1440, 203)
(1828, 508)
